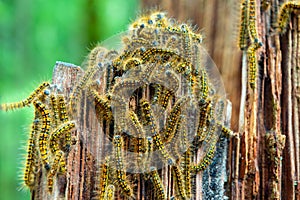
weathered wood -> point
(91, 145)
(264, 162)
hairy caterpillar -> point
(27, 101)
(252, 20)
(158, 187)
(44, 133)
(179, 182)
(284, 14)
(109, 192)
(28, 180)
(252, 62)
(243, 33)
(120, 170)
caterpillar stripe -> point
(165, 98)
(157, 92)
(202, 130)
(147, 114)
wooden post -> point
(263, 163)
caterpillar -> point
(187, 172)
(133, 118)
(109, 192)
(147, 111)
(154, 55)
(206, 160)
(62, 108)
(119, 110)
(160, 146)
(44, 133)
(284, 14)
(28, 179)
(55, 114)
(179, 182)
(103, 179)
(27, 101)
(158, 187)
(54, 168)
(252, 62)
(139, 140)
(252, 20)
(126, 87)
(77, 90)
(102, 106)
(186, 41)
(203, 125)
(109, 77)
(168, 132)
(266, 4)
(244, 32)
(165, 98)
(184, 30)
(201, 85)
(120, 170)
(64, 118)
(157, 92)
(63, 129)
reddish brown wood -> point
(263, 163)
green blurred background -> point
(33, 35)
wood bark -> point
(263, 162)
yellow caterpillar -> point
(27, 101)
(252, 62)
(284, 14)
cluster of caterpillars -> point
(161, 100)
(248, 30)
(50, 136)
